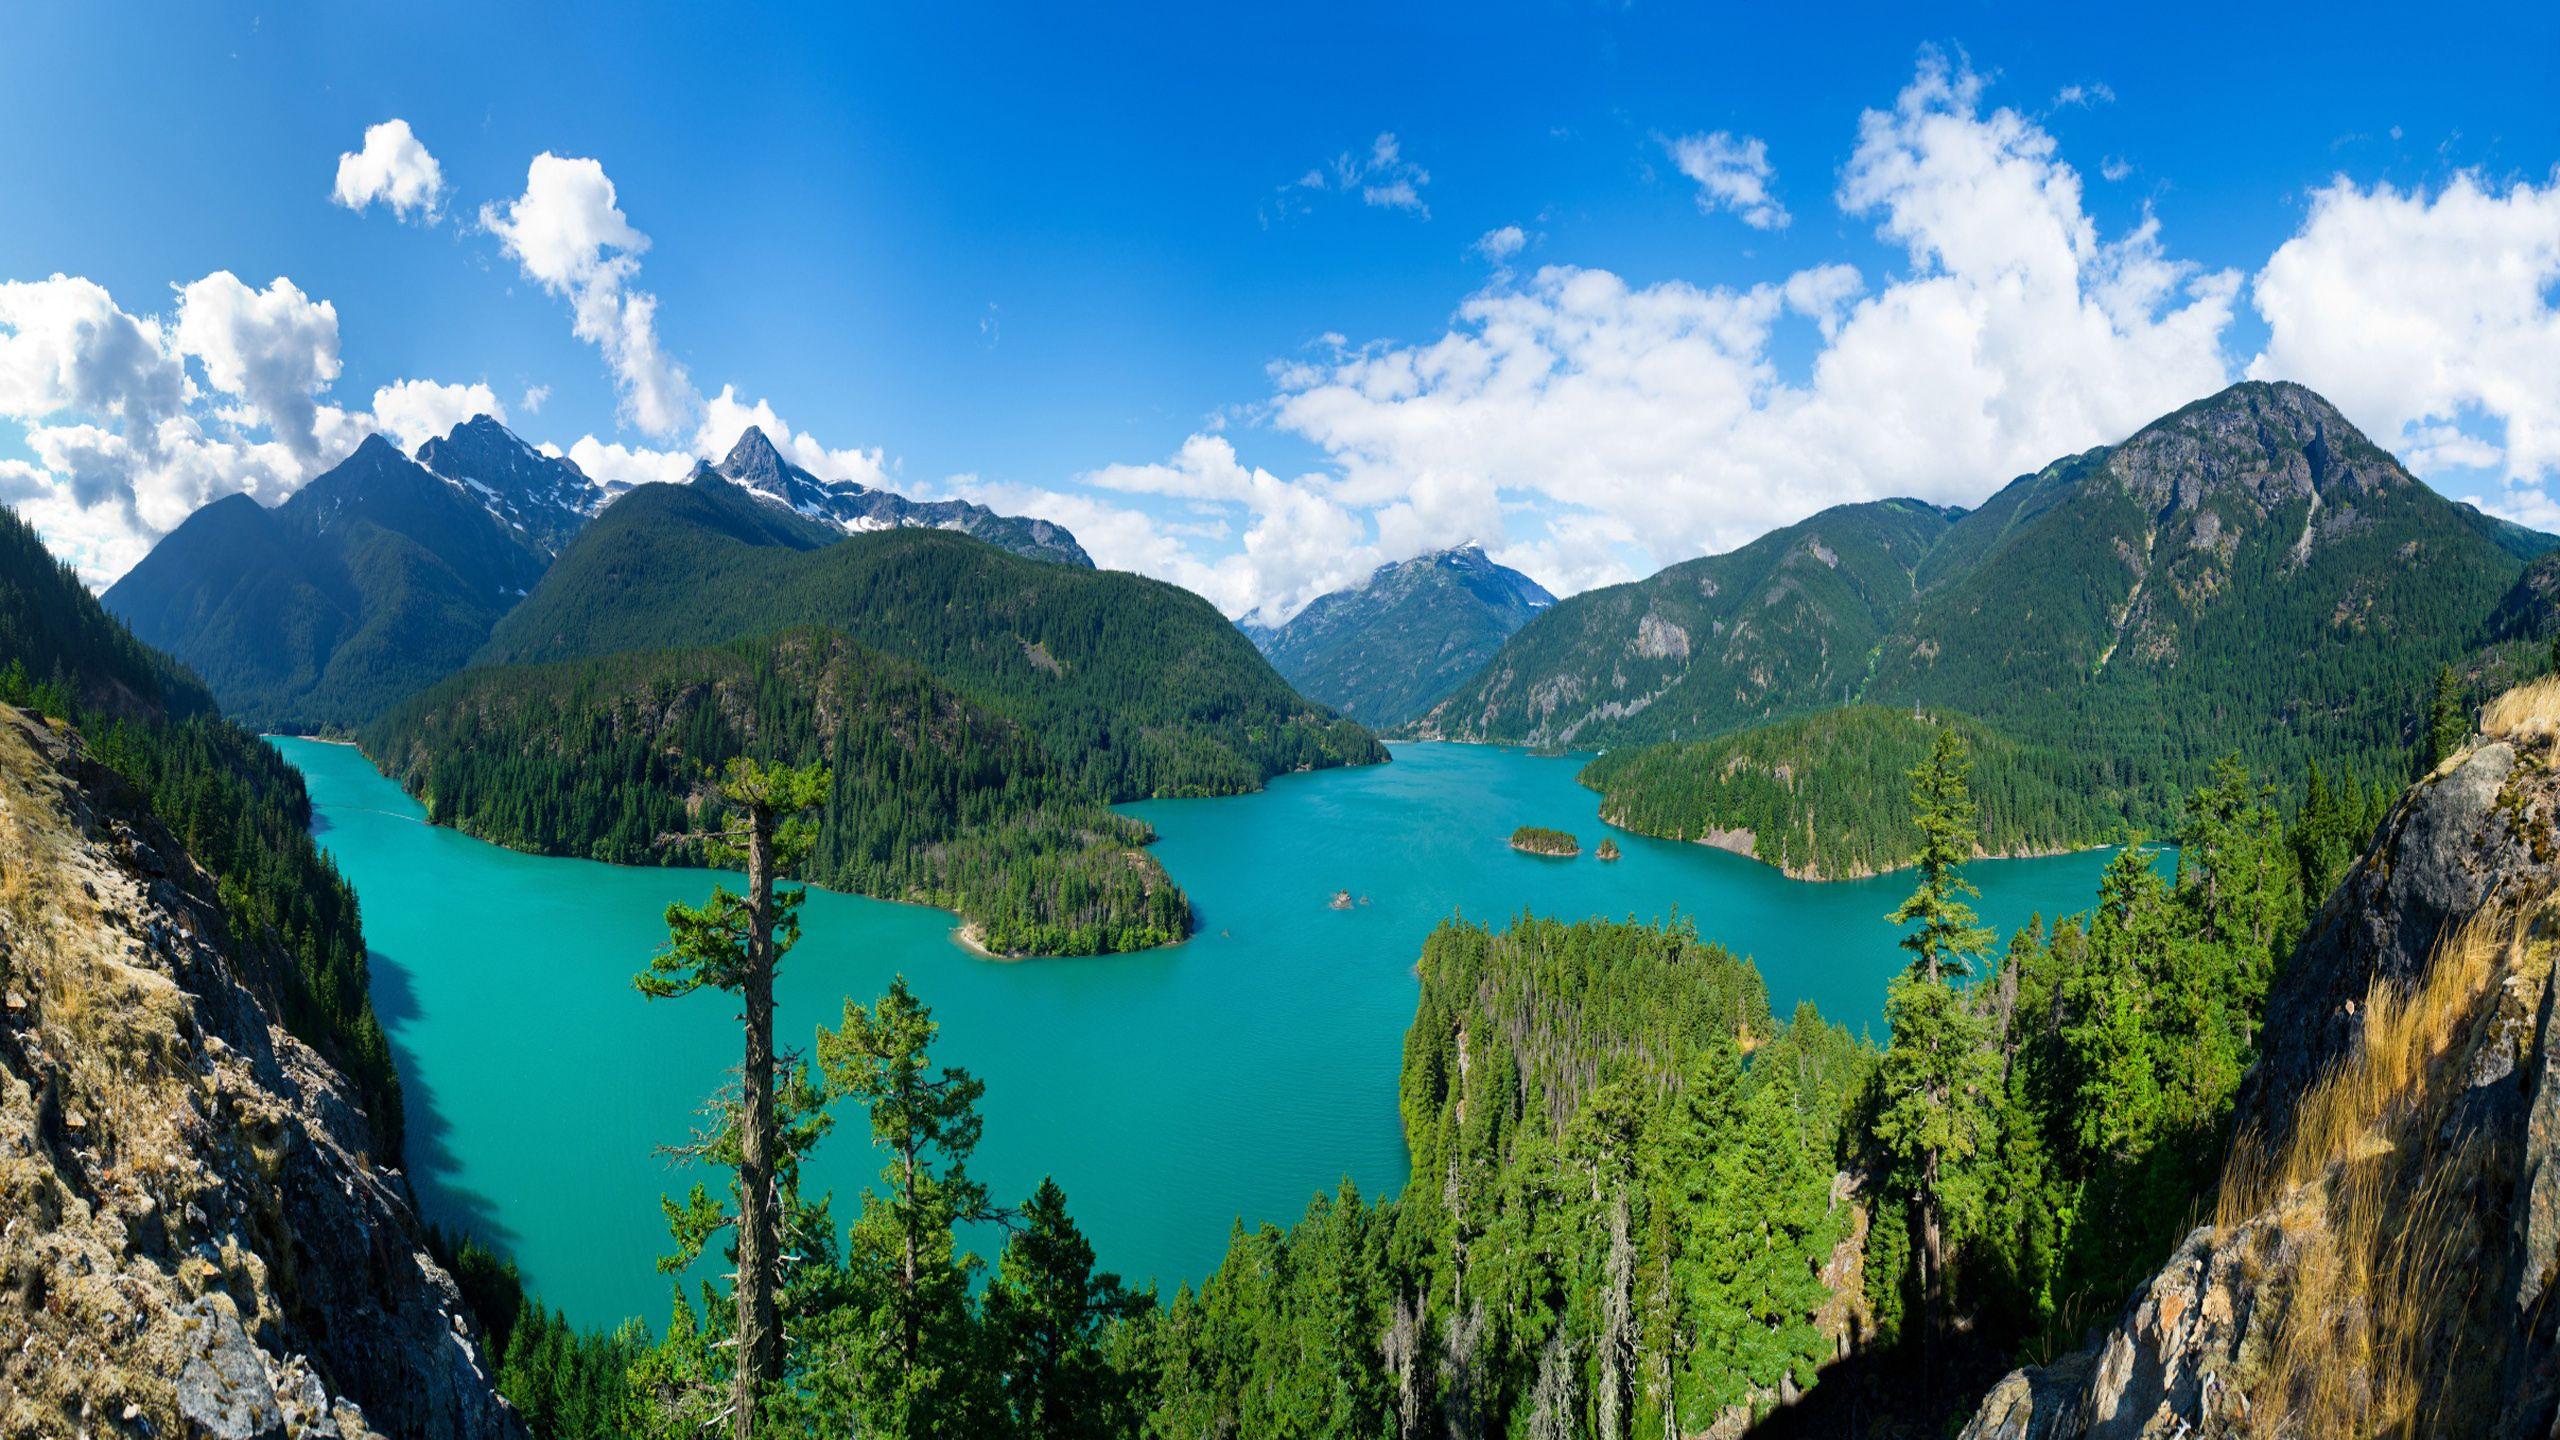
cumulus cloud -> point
(1382, 179)
(2433, 321)
(1731, 174)
(136, 421)
(274, 350)
(1500, 245)
(1590, 429)
(394, 169)
(411, 411)
(569, 234)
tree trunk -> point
(759, 1227)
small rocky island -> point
(1341, 900)
(1608, 849)
(1539, 840)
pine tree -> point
(1046, 1313)
(1932, 1112)
(912, 1348)
(2448, 722)
(735, 943)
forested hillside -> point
(934, 800)
(1137, 688)
(227, 796)
(1820, 796)
(371, 582)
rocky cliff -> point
(2384, 1242)
(195, 1239)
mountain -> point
(544, 499)
(369, 583)
(852, 508)
(1783, 625)
(1387, 649)
(2379, 1254)
(2234, 577)
(1137, 687)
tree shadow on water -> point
(428, 1157)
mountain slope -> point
(1781, 626)
(206, 1235)
(853, 508)
(370, 582)
(544, 499)
(935, 800)
(2234, 577)
(1136, 687)
(1388, 648)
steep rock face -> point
(2388, 1229)
(196, 1240)
(852, 507)
(1386, 649)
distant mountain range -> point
(1389, 648)
(386, 573)
(2249, 575)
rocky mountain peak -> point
(2267, 443)
(753, 462)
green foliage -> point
(934, 799)
(1821, 796)
(235, 805)
(2448, 718)
(1048, 1317)
(1136, 688)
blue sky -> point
(1063, 261)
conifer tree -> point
(1933, 1078)
(1047, 1314)
(2448, 723)
(735, 943)
(912, 1344)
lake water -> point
(1170, 1093)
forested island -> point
(1540, 840)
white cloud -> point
(613, 464)
(2433, 321)
(1589, 429)
(411, 411)
(533, 399)
(1299, 541)
(128, 441)
(396, 170)
(274, 349)
(569, 234)
(1731, 174)
(2075, 96)
(1500, 245)
(1382, 178)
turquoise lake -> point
(1170, 1093)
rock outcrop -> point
(195, 1238)
(2387, 1230)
